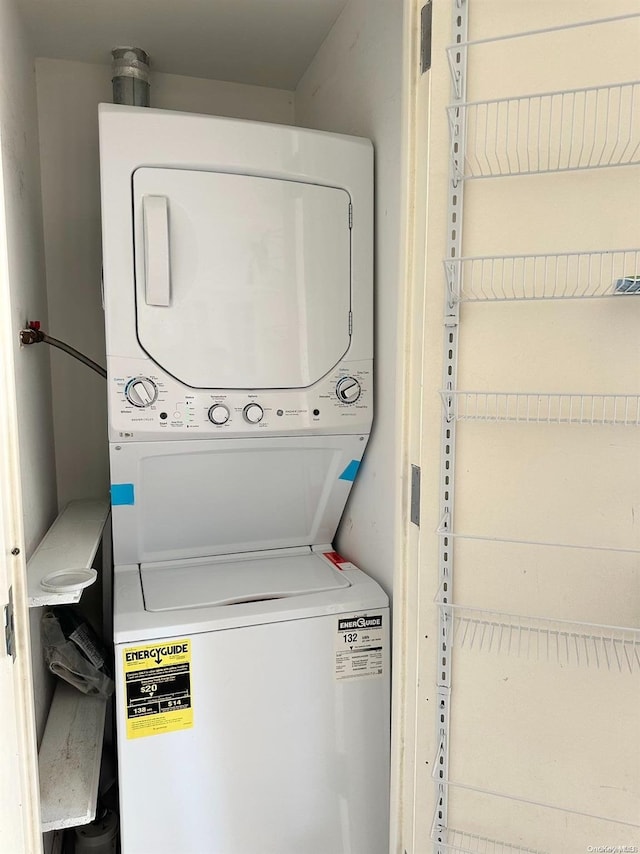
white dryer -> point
(252, 661)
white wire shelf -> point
(549, 132)
(449, 839)
(542, 407)
(564, 642)
(568, 275)
(454, 50)
(445, 530)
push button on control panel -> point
(218, 414)
(253, 413)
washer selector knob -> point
(253, 413)
(218, 414)
(348, 389)
(141, 392)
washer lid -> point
(241, 281)
(207, 582)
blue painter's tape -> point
(351, 471)
(122, 493)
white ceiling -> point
(264, 42)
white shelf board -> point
(69, 758)
(70, 543)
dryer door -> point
(241, 281)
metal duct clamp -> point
(130, 76)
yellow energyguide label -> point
(157, 680)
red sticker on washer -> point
(336, 559)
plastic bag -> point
(73, 652)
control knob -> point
(218, 414)
(348, 389)
(253, 413)
(141, 392)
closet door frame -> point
(19, 787)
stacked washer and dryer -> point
(252, 660)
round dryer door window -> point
(241, 281)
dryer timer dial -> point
(141, 392)
(348, 389)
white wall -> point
(353, 86)
(68, 95)
(18, 118)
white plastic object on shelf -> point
(548, 132)
(542, 407)
(563, 642)
(69, 758)
(69, 546)
(566, 275)
(68, 580)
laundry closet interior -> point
(313, 65)
(500, 735)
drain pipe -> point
(130, 76)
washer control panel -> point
(145, 403)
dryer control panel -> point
(146, 403)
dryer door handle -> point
(155, 212)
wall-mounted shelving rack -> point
(568, 130)
(542, 407)
(562, 642)
(475, 842)
(564, 275)
(448, 534)
(457, 53)
(575, 129)
(449, 839)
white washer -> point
(252, 671)
(283, 746)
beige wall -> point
(522, 723)
(354, 86)
(68, 95)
